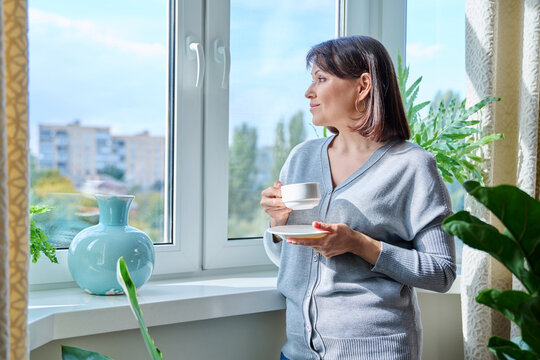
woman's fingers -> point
(273, 205)
(272, 191)
(323, 226)
(271, 198)
(311, 242)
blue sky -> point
(104, 62)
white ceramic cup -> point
(301, 196)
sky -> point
(104, 62)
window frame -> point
(197, 138)
(384, 23)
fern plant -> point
(38, 239)
(446, 132)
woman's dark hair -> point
(348, 58)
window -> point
(99, 74)
(436, 51)
(267, 116)
(159, 98)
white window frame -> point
(199, 190)
(185, 219)
(384, 20)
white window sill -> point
(64, 313)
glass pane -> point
(98, 95)
(268, 113)
(436, 51)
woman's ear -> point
(364, 85)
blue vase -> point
(94, 252)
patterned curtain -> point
(503, 60)
(14, 177)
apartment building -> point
(142, 158)
(84, 153)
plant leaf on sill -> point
(124, 279)
(74, 353)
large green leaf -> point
(507, 302)
(74, 353)
(507, 350)
(479, 235)
(530, 323)
(518, 211)
(124, 279)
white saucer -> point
(298, 231)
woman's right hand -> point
(274, 206)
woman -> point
(349, 295)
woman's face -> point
(331, 99)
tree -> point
(113, 172)
(243, 187)
(279, 151)
(297, 132)
(283, 145)
(51, 181)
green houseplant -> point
(518, 249)
(124, 279)
(38, 240)
(446, 131)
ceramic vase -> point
(94, 251)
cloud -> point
(88, 31)
(419, 51)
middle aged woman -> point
(382, 204)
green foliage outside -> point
(280, 151)
(49, 189)
(75, 211)
(243, 188)
(50, 181)
(124, 279)
(246, 180)
(147, 213)
(283, 144)
(518, 249)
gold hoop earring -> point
(356, 105)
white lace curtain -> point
(502, 60)
(13, 180)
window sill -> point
(65, 313)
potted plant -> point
(518, 249)
(38, 240)
(446, 131)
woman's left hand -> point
(341, 239)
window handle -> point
(221, 55)
(197, 48)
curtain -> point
(502, 60)
(14, 222)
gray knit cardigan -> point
(344, 308)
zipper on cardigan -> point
(315, 309)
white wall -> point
(255, 336)
(441, 319)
